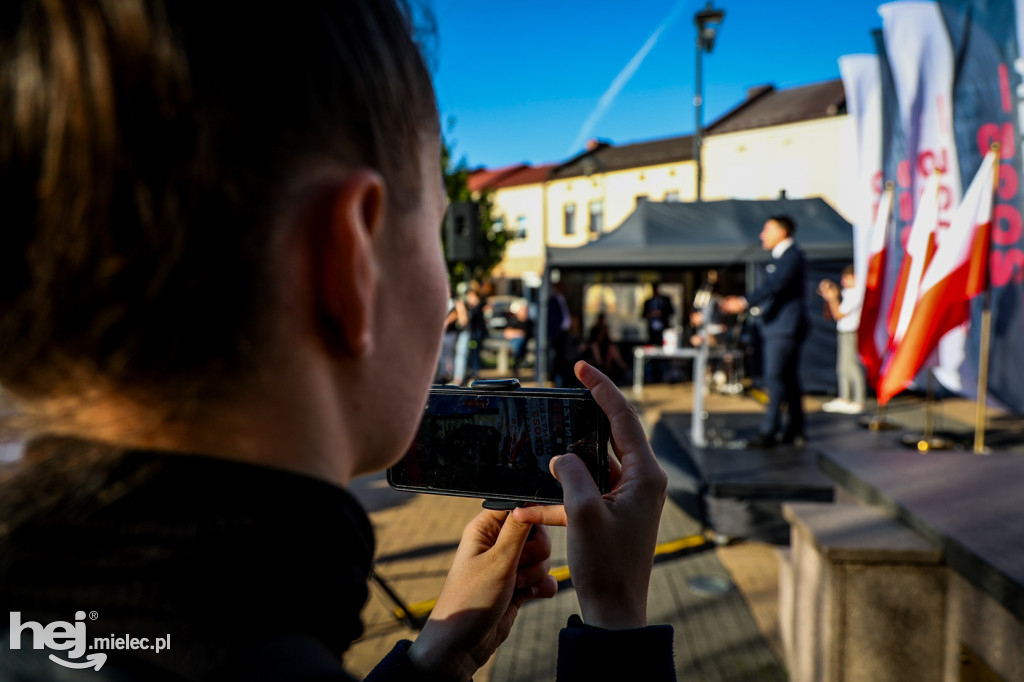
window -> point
(672, 195)
(596, 217)
(520, 232)
(570, 219)
(499, 225)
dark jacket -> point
(250, 573)
(780, 296)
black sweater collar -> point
(220, 555)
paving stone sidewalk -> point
(716, 637)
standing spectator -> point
(455, 321)
(475, 303)
(844, 307)
(462, 338)
(779, 302)
(658, 312)
(559, 323)
(519, 331)
(602, 351)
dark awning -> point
(677, 234)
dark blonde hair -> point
(144, 147)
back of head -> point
(146, 149)
(786, 223)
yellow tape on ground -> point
(420, 609)
(758, 395)
(679, 545)
(561, 573)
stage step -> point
(734, 491)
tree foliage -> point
(493, 236)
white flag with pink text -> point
(922, 64)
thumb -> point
(511, 539)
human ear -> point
(347, 275)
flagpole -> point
(981, 403)
(928, 440)
(980, 413)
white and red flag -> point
(956, 274)
(872, 334)
(917, 254)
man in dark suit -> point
(779, 303)
(658, 311)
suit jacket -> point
(781, 295)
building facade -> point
(790, 142)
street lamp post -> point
(707, 21)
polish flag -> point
(919, 251)
(956, 274)
(872, 336)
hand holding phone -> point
(495, 440)
(611, 537)
(500, 564)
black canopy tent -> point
(677, 235)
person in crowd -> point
(223, 298)
(519, 331)
(602, 351)
(559, 321)
(459, 320)
(779, 302)
(657, 311)
(844, 307)
(476, 302)
(707, 317)
(455, 322)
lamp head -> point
(707, 21)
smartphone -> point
(494, 440)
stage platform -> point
(738, 492)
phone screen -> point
(499, 445)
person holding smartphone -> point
(220, 244)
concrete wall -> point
(862, 597)
(866, 598)
(995, 637)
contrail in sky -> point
(608, 98)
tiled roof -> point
(508, 176)
(485, 178)
(606, 157)
(528, 175)
(765, 106)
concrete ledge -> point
(963, 503)
(855, 533)
(865, 599)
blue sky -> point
(522, 78)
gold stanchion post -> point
(980, 412)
